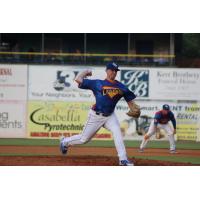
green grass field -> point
(152, 144)
(50, 142)
(195, 161)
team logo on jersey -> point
(111, 91)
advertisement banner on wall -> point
(13, 82)
(136, 80)
(56, 119)
(188, 118)
(12, 119)
(56, 83)
(198, 126)
(179, 84)
(162, 84)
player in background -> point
(161, 121)
(107, 93)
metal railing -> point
(86, 58)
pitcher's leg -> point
(92, 125)
(75, 139)
(112, 124)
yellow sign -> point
(55, 119)
(188, 122)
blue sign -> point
(137, 81)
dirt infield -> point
(83, 156)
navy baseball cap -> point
(112, 66)
(166, 107)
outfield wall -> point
(39, 101)
(13, 101)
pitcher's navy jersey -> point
(107, 94)
(164, 118)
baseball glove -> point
(134, 111)
(159, 134)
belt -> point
(162, 122)
(102, 114)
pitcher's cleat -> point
(125, 163)
(63, 147)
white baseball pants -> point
(152, 130)
(93, 124)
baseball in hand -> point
(89, 72)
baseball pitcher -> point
(107, 93)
